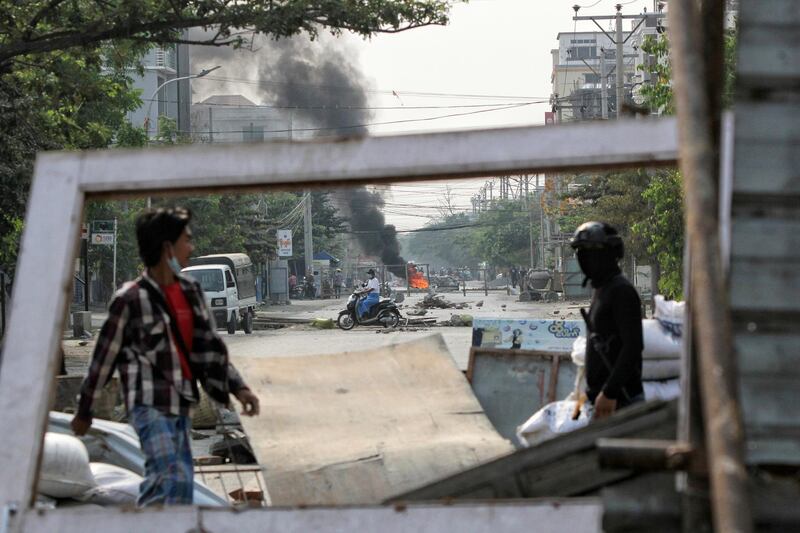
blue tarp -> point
(324, 256)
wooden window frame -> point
(64, 181)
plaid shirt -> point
(136, 338)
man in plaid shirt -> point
(161, 337)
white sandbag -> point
(660, 369)
(65, 471)
(662, 390)
(669, 310)
(579, 351)
(659, 341)
(115, 485)
(552, 420)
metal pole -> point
(86, 291)
(542, 234)
(210, 125)
(530, 229)
(3, 302)
(114, 268)
(308, 233)
(620, 71)
(485, 284)
(603, 86)
(694, 69)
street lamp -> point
(200, 74)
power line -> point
(354, 126)
(348, 108)
(371, 91)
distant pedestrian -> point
(161, 337)
(338, 282)
(514, 276)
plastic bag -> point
(552, 420)
(579, 351)
(115, 485)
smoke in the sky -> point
(327, 95)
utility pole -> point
(210, 124)
(620, 69)
(308, 237)
(114, 268)
(603, 86)
(530, 229)
(619, 41)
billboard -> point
(284, 243)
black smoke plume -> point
(374, 235)
(326, 95)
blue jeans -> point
(365, 304)
(165, 441)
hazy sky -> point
(498, 49)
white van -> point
(229, 284)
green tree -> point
(434, 245)
(75, 99)
(501, 235)
(64, 67)
(42, 26)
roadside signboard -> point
(103, 238)
(284, 243)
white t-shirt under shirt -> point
(374, 285)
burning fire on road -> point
(416, 279)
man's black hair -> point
(154, 227)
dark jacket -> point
(614, 347)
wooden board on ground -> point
(360, 427)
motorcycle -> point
(384, 313)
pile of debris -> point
(436, 301)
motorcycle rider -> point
(614, 322)
(372, 290)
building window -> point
(591, 78)
(253, 133)
(582, 52)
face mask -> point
(174, 265)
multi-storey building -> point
(162, 64)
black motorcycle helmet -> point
(598, 236)
(371, 271)
(598, 247)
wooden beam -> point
(698, 115)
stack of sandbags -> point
(67, 476)
(661, 358)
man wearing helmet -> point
(614, 323)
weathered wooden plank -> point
(767, 167)
(579, 515)
(44, 277)
(382, 158)
(538, 470)
(769, 13)
(766, 238)
(764, 121)
(772, 449)
(770, 402)
(768, 355)
(769, 56)
(765, 285)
